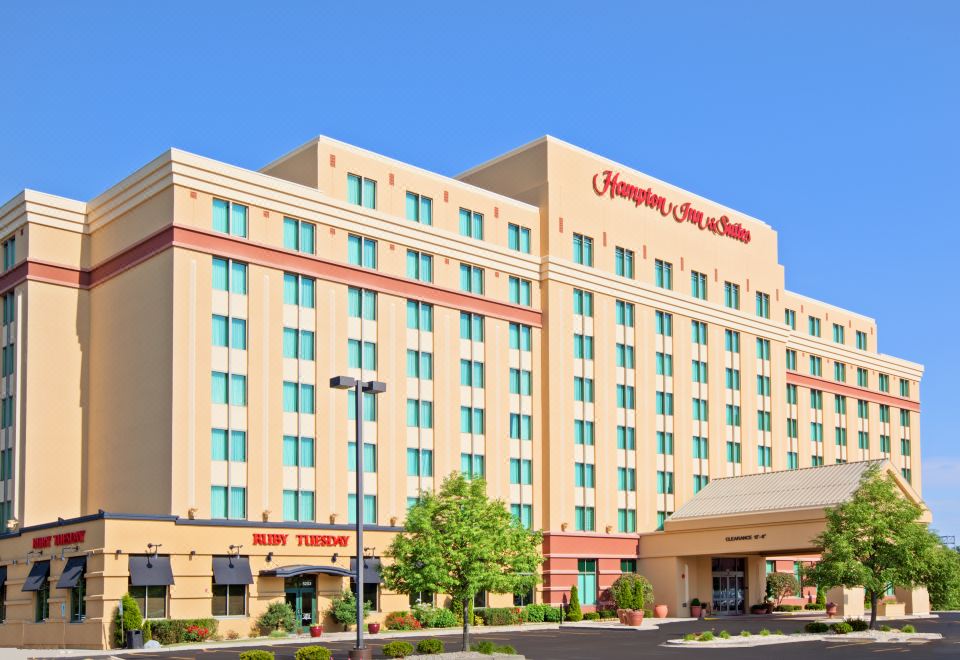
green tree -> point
(943, 577)
(343, 608)
(779, 585)
(460, 542)
(131, 620)
(573, 609)
(874, 540)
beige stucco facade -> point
(548, 376)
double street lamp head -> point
(348, 383)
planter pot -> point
(622, 616)
(634, 617)
(373, 628)
(831, 609)
(316, 631)
(696, 611)
(660, 611)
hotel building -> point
(617, 357)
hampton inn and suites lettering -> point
(608, 182)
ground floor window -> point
(152, 601)
(587, 581)
(628, 565)
(42, 601)
(480, 600)
(78, 600)
(421, 598)
(371, 593)
(229, 600)
(3, 602)
(523, 598)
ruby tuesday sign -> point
(609, 183)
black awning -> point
(3, 574)
(72, 572)
(232, 570)
(150, 571)
(371, 569)
(38, 575)
(304, 569)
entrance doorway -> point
(301, 595)
(729, 589)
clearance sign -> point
(608, 183)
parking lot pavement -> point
(581, 643)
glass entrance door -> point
(301, 595)
(729, 591)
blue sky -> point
(834, 122)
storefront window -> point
(78, 600)
(152, 601)
(523, 598)
(421, 598)
(43, 602)
(3, 602)
(229, 600)
(371, 593)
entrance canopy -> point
(304, 569)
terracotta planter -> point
(622, 615)
(634, 617)
(695, 611)
(316, 631)
(831, 609)
(660, 611)
(373, 628)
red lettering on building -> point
(65, 538)
(270, 539)
(322, 540)
(612, 185)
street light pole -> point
(360, 388)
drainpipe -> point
(686, 586)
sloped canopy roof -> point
(808, 488)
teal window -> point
(661, 519)
(521, 471)
(664, 363)
(419, 266)
(584, 475)
(291, 401)
(700, 482)
(584, 519)
(700, 410)
(884, 414)
(519, 291)
(816, 366)
(763, 349)
(471, 279)
(791, 359)
(624, 313)
(731, 341)
(838, 333)
(520, 337)
(625, 397)
(583, 389)
(663, 274)
(816, 431)
(790, 318)
(732, 378)
(229, 218)
(518, 238)
(623, 262)
(763, 385)
(731, 295)
(361, 354)
(664, 482)
(793, 460)
(471, 224)
(582, 347)
(238, 334)
(369, 509)
(369, 406)
(626, 520)
(524, 514)
(813, 325)
(299, 235)
(698, 370)
(420, 364)
(299, 290)
(883, 382)
(9, 316)
(816, 461)
(763, 421)
(907, 474)
(583, 432)
(471, 420)
(419, 414)
(362, 304)
(764, 456)
(664, 403)
(520, 382)
(863, 379)
(228, 502)
(472, 373)
(229, 276)
(861, 340)
(701, 448)
(626, 479)
(840, 436)
(885, 444)
(698, 332)
(369, 457)
(582, 303)
(471, 327)
(792, 394)
(361, 191)
(763, 305)
(419, 316)
(10, 252)
(472, 465)
(419, 462)
(220, 334)
(582, 250)
(625, 356)
(521, 426)
(238, 390)
(664, 324)
(733, 415)
(419, 208)
(792, 430)
(863, 409)
(626, 437)
(219, 444)
(905, 418)
(664, 442)
(816, 401)
(219, 388)
(361, 251)
(733, 452)
(904, 387)
(840, 372)
(904, 446)
(698, 285)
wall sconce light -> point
(193, 553)
(269, 557)
(117, 553)
(335, 557)
(154, 548)
(237, 548)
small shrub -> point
(885, 628)
(485, 647)
(435, 617)
(816, 627)
(132, 620)
(551, 614)
(501, 616)
(842, 628)
(777, 632)
(787, 608)
(505, 649)
(814, 606)
(233, 634)
(858, 625)
(278, 615)
(592, 616)
(689, 637)
(632, 591)
(573, 609)
(706, 636)
(279, 634)
(724, 634)
(764, 633)
(343, 608)
(398, 649)
(744, 633)
(256, 655)
(908, 629)
(401, 621)
(429, 646)
(608, 614)
(648, 614)
(535, 612)
(312, 653)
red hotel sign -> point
(67, 538)
(322, 540)
(722, 226)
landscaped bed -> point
(853, 630)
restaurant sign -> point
(609, 183)
(312, 540)
(66, 538)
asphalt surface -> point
(574, 643)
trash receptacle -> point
(134, 639)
